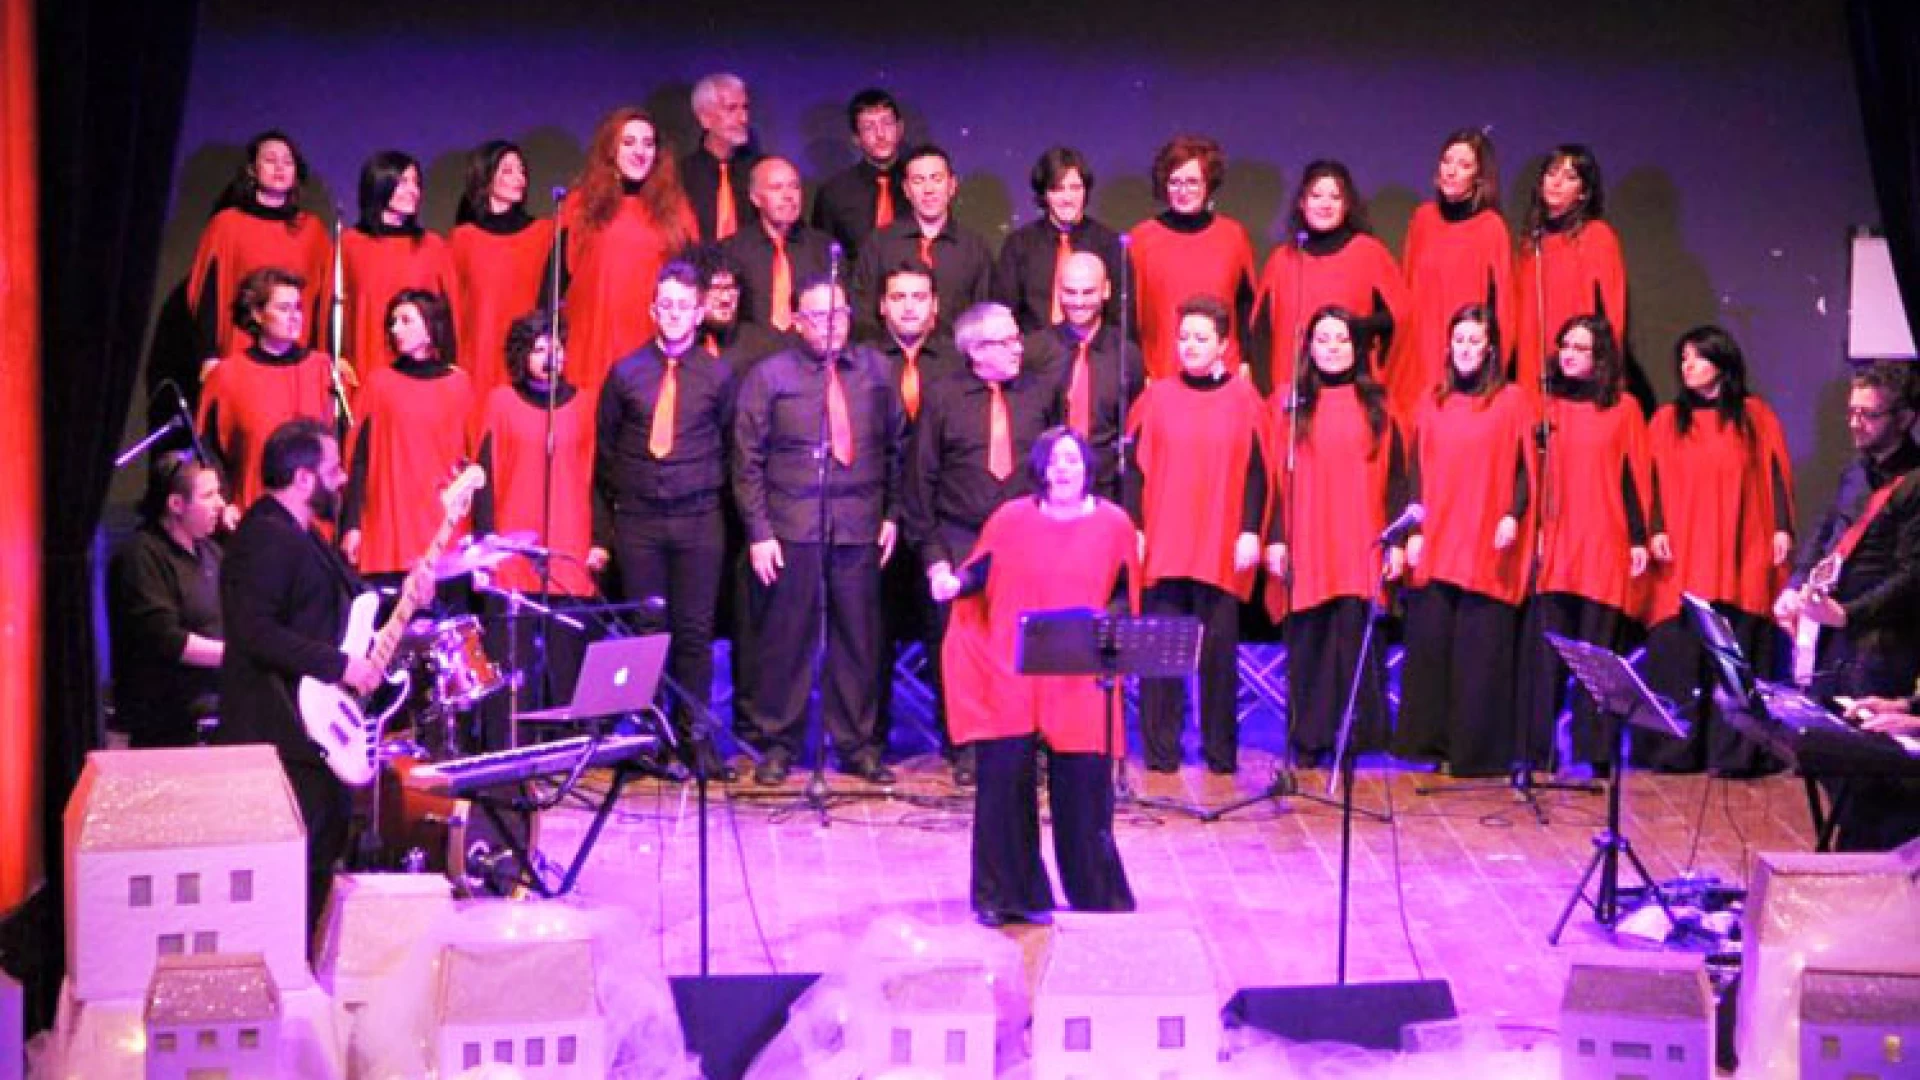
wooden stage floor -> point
(1461, 887)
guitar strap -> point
(1878, 502)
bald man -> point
(776, 235)
(1098, 379)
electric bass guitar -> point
(341, 721)
(1806, 633)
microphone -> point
(559, 193)
(186, 418)
(1409, 519)
(131, 453)
(834, 254)
(1300, 239)
(514, 547)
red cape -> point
(375, 269)
(1194, 447)
(1169, 267)
(513, 433)
(610, 289)
(417, 439)
(1584, 511)
(1295, 286)
(1717, 506)
(1572, 270)
(246, 399)
(1468, 450)
(1448, 266)
(500, 279)
(237, 243)
(1335, 504)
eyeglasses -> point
(819, 317)
(665, 308)
(1871, 416)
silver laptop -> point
(618, 676)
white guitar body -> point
(336, 718)
(1806, 632)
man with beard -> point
(284, 596)
(723, 333)
(778, 250)
(861, 197)
(716, 171)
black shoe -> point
(717, 769)
(772, 770)
(870, 768)
(993, 920)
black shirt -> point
(843, 208)
(1880, 580)
(741, 345)
(752, 248)
(158, 593)
(949, 491)
(700, 176)
(628, 479)
(779, 441)
(962, 269)
(1052, 350)
(1023, 275)
(936, 360)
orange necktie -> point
(926, 250)
(660, 439)
(883, 203)
(712, 343)
(910, 383)
(1060, 255)
(999, 434)
(782, 308)
(1079, 408)
(839, 423)
(724, 222)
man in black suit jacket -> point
(284, 595)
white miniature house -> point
(1121, 1003)
(182, 852)
(213, 1018)
(528, 1005)
(936, 1022)
(1859, 1025)
(1643, 1015)
(373, 923)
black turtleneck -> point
(1457, 212)
(289, 358)
(631, 187)
(286, 211)
(1321, 244)
(1553, 226)
(515, 220)
(535, 393)
(1186, 223)
(1472, 385)
(413, 368)
(1560, 386)
(379, 229)
(1212, 380)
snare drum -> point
(456, 658)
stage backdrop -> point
(1729, 133)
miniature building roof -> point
(534, 982)
(1859, 997)
(211, 988)
(202, 796)
(1650, 992)
(1126, 963)
(946, 990)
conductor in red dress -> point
(1062, 547)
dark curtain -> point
(113, 87)
(1886, 70)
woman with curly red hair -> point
(1189, 251)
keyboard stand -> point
(518, 841)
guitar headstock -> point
(457, 499)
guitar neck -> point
(387, 640)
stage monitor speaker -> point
(1361, 1014)
(729, 1019)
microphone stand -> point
(1117, 762)
(337, 325)
(1342, 773)
(556, 370)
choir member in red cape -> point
(1189, 250)
(1570, 262)
(1722, 530)
(264, 383)
(256, 223)
(1099, 375)
(867, 194)
(500, 258)
(961, 262)
(409, 438)
(1348, 476)
(661, 472)
(1333, 260)
(1458, 252)
(522, 495)
(715, 174)
(1468, 562)
(1593, 529)
(1032, 256)
(625, 218)
(1063, 547)
(774, 250)
(386, 252)
(1200, 437)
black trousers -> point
(1163, 702)
(326, 805)
(1456, 684)
(1008, 875)
(1543, 677)
(1677, 668)
(1323, 649)
(787, 614)
(679, 558)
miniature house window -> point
(1173, 1032)
(140, 891)
(470, 1055)
(240, 886)
(536, 1052)
(1079, 1034)
(1586, 1048)
(206, 941)
(166, 1042)
(249, 1038)
(173, 944)
(901, 1051)
(568, 1049)
(186, 889)
(1633, 1051)
(1891, 1049)
(1830, 1047)
(1676, 1053)
(503, 1050)
(207, 1039)
(956, 1047)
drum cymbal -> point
(468, 557)
(508, 543)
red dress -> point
(246, 397)
(510, 438)
(612, 272)
(1194, 448)
(1577, 273)
(500, 276)
(1718, 509)
(1448, 265)
(1170, 266)
(1468, 450)
(1039, 563)
(1335, 504)
(1296, 285)
(1584, 522)
(377, 267)
(237, 243)
(409, 439)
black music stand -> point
(1622, 698)
(1083, 641)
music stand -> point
(1622, 698)
(1083, 641)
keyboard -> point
(463, 775)
(1818, 742)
